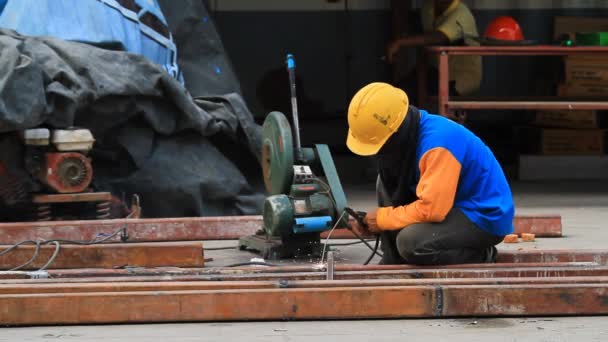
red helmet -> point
(504, 28)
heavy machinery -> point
(305, 193)
(58, 162)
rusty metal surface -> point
(199, 228)
(539, 225)
(599, 257)
(443, 85)
(226, 285)
(224, 274)
(140, 230)
(71, 198)
(304, 303)
(175, 254)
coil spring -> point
(44, 212)
(103, 210)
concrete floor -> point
(584, 210)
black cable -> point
(95, 241)
(348, 243)
(252, 263)
(17, 245)
(375, 251)
(220, 248)
(57, 243)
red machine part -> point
(68, 172)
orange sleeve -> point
(439, 174)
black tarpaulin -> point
(183, 156)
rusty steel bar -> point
(536, 50)
(257, 275)
(227, 285)
(304, 304)
(140, 230)
(197, 228)
(539, 225)
(599, 257)
(443, 86)
(70, 198)
(161, 254)
(528, 105)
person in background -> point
(443, 197)
(445, 22)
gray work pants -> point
(456, 240)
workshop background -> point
(340, 45)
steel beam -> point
(260, 275)
(304, 304)
(199, 228)
(140, 230)
(162, 254)
(227, 285)
(71, 198)
(599, 257)
(539, 225)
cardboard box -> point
(583, 89)
(554, 141)
(589, 69)
(571, 119)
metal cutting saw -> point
(305, 193)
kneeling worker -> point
(443, 196)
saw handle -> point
(359, 216)
(291, 70)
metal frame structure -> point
(446, 105)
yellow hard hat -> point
(375, 113)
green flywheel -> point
(277, 154)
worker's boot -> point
(491, 255)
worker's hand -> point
(392, 51)
(357, 228)
(371, 219)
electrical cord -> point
(57, 242)
(252, 263)
(329, 235)
(36, 252)
(346, 244)
(220, 248)
(373, 249)
(52, 258)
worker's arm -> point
(426, 39)
(436, 190)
